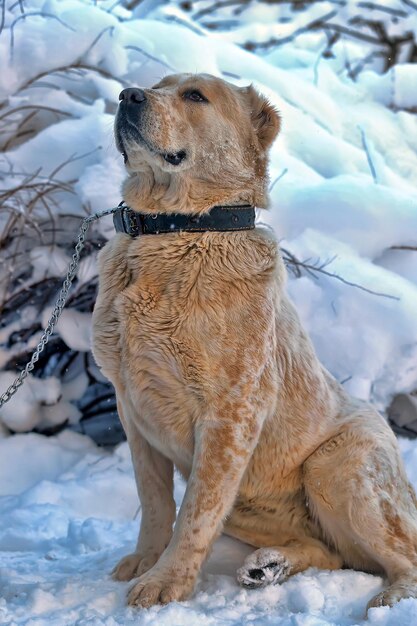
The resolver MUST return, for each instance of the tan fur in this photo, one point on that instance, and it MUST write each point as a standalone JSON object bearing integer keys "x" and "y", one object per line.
{"x": 215, "y": 376}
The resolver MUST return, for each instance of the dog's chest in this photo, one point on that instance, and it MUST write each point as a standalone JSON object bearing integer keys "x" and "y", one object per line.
{"x": 174, "y": 332}
{"x": 171, "y": 334}
{"x": 163, "y": 370}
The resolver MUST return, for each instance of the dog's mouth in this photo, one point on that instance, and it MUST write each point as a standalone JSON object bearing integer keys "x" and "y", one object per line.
{"x": 175, "y": 158}
{"x": 130, "y": 133}
{"x": 120, "y": 144}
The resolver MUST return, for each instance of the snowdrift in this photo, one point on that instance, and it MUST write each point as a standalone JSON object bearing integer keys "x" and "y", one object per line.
{"x": 343, "y": 170}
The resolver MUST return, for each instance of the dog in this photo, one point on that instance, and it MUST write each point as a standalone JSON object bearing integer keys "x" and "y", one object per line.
{"x": 215, "y": 376}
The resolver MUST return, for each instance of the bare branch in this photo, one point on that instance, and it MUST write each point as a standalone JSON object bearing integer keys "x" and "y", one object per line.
{"x": 373, "y": 6}
{"x": 32, "y": 14}
{"x": 109, "y": 29}
{"x": 19, "y": 3}
{"x": 368, "y": 155}
{"x": 2, "y": 14}
{"x": 38, "y": 107}
{"x": 151, "y": 57}
{"x": 319, "y": 268}
{"x": 218, "y": 5}
{"x": 410, "y": 3}
{"x": 411, "y": 248}
{"x": 74, "y": 67}
{"x": 274, "y": 182}
{"x": 315, "y": 24}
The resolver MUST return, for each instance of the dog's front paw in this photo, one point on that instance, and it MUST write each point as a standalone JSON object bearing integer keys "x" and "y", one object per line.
{"x": 160, "y": 587}
{"x": 134, "y": 565}
{"x": 263, "y": 567}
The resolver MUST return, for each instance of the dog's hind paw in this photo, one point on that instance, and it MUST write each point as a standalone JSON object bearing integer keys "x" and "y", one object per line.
{"x": 266, "y": 566}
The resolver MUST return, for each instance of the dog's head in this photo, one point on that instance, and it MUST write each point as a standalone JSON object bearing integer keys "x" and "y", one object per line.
{"x": 193, "y": 141}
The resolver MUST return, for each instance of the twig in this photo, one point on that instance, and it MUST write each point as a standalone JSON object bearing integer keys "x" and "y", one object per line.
{"x": 231, "y": 75}
{"x": 97, "y": 39}
{"x": 291, "y": 259}
{"x": 74, "y": 67}
{"x": 132, "y": 4}
{"x": 274, "y": 182}
{"x": 19, "y": 3}
{"x": 218, "y": 5}
{"x": 113, "y": 6}
{"x": 32, "y": 14}
{"x": 316, "y": 64}
{"x": 319, "y": 22}
{"x": 222, "y": 25}
{"x": 409, "y": 3}
{"x": 354, "y": 34}
{"x": 192, "y": 27}
{"x": 354, "y": 72}
{"x": 71, "y": 159}
{"x": 368, "y": 155}
{"x": 34, "y": 106}
{"x": 17, "y": 135}
{"x": 345, "y": 380}
{"x": 384, "y": 9}
{"x": 2, "y": 14}
{"x": 151, "y": 57}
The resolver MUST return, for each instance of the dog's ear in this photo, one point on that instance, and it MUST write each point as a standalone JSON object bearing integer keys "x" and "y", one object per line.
{"x": 264, "y": 116}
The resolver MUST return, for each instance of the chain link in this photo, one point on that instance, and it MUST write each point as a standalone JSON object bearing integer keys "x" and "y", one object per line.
{"x": 59, "y": 305}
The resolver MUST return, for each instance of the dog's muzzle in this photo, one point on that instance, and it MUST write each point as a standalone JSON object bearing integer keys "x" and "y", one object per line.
{"x": 132, "y": 101}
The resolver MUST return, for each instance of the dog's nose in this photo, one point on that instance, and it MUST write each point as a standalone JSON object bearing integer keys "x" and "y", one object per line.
{"x": 132, "y": 95}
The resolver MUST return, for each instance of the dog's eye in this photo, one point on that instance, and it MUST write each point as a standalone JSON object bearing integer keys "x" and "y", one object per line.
{"x": 195, "y": 96}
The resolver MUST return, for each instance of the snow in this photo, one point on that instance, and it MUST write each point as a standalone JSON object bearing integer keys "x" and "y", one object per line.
{"x": 343, "y": 178}
{"x": 395, "y": 88}
{"x": 48, "y": 261}
{"x": 74, "y": 328}
{"x": 40, "y": 402}
{"x": 69, "y": 511}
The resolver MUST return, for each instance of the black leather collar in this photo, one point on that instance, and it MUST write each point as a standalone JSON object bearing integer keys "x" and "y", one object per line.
{"x": 220, "y": 218}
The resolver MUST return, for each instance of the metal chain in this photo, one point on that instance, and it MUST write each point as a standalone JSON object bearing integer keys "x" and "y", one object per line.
{"x": 59, "y": 305}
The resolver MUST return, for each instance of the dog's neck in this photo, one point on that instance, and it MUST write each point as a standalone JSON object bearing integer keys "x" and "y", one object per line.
{"x": 219, "y": 219}
{"x": 165, "y": 192}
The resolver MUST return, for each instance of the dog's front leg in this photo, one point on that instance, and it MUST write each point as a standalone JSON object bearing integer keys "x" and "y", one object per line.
{"x": 223, "y": 447}
{"x": 154, "y": 481}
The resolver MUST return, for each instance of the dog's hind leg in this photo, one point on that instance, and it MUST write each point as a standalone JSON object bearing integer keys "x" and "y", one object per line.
{"x": 268, "y": 566}
{"x": 154, "y": 481}
{"x": 357, "y": 488}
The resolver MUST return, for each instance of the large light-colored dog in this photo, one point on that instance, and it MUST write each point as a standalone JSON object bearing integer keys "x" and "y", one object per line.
{"x": 215, "y": 376}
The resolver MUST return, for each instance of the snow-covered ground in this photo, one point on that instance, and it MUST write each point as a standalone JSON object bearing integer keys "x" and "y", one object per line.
{"x": 69, "y": 511}
{"x": 343, "y": 190}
